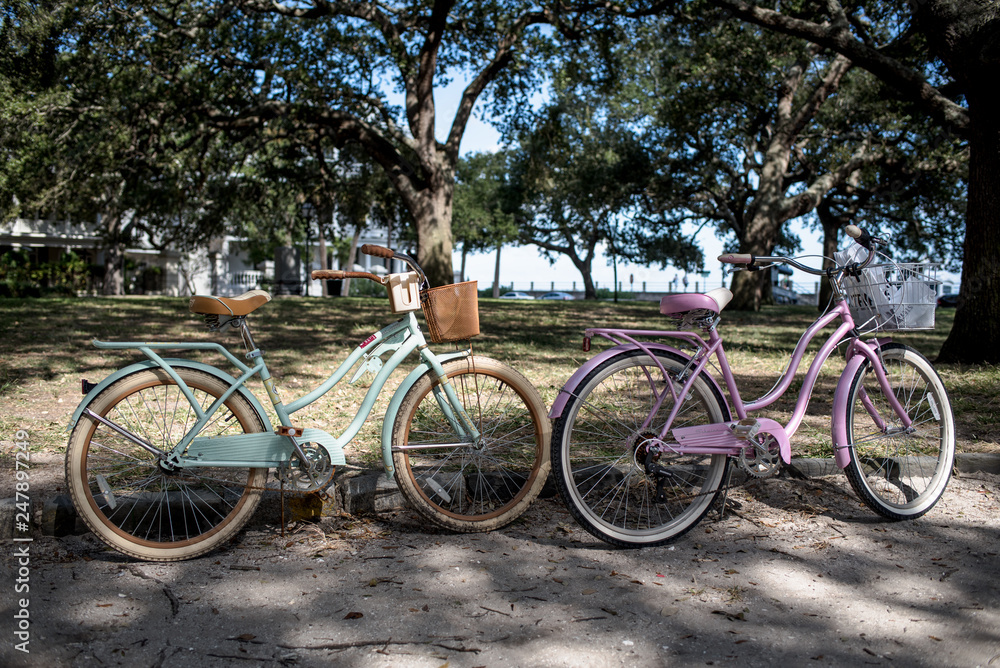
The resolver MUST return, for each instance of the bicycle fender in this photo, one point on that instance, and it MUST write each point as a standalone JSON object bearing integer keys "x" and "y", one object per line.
{"x": 397, "y": 400}
{"x": 574, "y": 381}
{"x": 841, "y": 401}
{"x": 856, "y": 356}
{"x": 175, "y": 362}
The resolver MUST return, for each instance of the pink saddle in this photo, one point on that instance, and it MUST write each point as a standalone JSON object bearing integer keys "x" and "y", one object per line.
{"x": 692, "y": 309}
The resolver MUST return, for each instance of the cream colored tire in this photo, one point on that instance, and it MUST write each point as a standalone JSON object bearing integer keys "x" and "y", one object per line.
{"x": 139, "y": 508}
{"x": 466, "y": 488}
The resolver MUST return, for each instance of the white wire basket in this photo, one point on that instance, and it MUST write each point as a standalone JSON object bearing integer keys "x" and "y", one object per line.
{"x": 893, "y": 296}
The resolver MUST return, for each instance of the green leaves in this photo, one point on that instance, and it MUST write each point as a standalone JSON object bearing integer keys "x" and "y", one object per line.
{"x": 485, "y": 203}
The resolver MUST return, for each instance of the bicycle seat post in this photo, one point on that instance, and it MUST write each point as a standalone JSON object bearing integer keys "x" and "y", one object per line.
{"x": 252, "y": 350}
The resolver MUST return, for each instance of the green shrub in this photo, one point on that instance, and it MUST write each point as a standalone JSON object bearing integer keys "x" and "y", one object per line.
{"x": 364, "y": 288}
{"x": 20, "y": 277}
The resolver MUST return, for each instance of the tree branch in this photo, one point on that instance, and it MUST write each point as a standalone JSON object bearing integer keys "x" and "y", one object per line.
{"x": 826, "y": 87}
{"x": 838, "y": 37}
{"x": 804, "y": 202}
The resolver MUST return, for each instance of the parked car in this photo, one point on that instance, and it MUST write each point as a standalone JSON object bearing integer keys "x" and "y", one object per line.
{"x": 516, "y": 295}
{"x": 948, "y": 301}
{"x": 783, "y": 295}
{"x": 557, "y": 295}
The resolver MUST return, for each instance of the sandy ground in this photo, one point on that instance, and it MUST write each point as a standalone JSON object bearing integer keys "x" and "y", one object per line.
{"x": 796, "y": 572}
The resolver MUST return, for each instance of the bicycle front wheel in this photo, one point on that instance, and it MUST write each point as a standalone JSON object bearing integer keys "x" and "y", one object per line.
{"x": 601, "y": 442}
{"x": 463, "y": 486}
{"x": 140, "y": 508}
{"x": 900, "y": 472}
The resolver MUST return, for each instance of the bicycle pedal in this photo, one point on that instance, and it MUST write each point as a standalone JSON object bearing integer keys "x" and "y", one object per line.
{"x": 746, "y": 428}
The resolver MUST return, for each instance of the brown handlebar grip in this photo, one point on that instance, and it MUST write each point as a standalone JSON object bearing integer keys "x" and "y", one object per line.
{"x": 327, "y": 274}
{"x": 362, "y": 274}
{"x": 377, "y": 251}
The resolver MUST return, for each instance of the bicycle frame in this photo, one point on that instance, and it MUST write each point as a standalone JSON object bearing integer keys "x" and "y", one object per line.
{"x": 270, "y": 449}
{"x": 716, "y": 440}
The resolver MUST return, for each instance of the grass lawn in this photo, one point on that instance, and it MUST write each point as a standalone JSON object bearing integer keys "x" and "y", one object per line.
{"x": 45, "y": 350}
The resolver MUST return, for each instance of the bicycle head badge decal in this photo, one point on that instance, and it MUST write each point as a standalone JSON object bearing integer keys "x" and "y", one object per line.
{"x": 364, "y": 344}
{"x": 272, "y": 391}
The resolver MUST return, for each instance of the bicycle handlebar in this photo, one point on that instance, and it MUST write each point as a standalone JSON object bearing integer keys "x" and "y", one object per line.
{"x": 375, "y": 251}
{"x": 737, "y": 258}
{"x": 860, "y": 236}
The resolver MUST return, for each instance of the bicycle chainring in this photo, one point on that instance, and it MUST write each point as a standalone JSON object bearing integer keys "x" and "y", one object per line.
{"x": 296, "y": 475}
{"x": 763, "y": 460}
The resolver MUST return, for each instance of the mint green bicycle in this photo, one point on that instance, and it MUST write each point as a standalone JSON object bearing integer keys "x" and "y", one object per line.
{"x": 168, "y": 457}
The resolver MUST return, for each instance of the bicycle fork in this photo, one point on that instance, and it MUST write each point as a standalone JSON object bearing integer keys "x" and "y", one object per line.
{"x": 451, "y": 407}
{"x": 858, "y": 353}
{"x": 454, "y": 411}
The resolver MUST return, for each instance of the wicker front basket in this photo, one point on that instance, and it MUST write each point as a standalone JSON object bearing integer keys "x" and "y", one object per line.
{"x": 452, "y": 311}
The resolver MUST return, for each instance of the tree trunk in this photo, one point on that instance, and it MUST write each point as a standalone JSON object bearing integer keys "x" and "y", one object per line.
{"x": 584, "y": 266}
{"x": 114, "y": 254}
{"x": 975, "y": 336}
{"x": 748, "y": 287}
{"x": 322, "y": 260}
{"x": 589, "y": 291}
{"x": 433, "y": 219}
{"x": 345, "y": 286}
{"x": 766, "y": 286}
{"x": 388, "y": 244}
{"x": 964, "y": 34}
{"x": 746, "y": 290}
{"x": 114, "y": 269}
{"x": 831, "y": 238}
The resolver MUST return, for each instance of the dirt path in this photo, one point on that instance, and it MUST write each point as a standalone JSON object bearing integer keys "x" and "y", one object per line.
{"x": 796, "y": 573}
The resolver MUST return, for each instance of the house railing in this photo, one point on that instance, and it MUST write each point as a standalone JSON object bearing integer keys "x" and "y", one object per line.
{"x": 243, "y": 281}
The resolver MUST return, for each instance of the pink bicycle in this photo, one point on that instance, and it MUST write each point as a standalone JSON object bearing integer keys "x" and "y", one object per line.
{"x": 643, "y": 436}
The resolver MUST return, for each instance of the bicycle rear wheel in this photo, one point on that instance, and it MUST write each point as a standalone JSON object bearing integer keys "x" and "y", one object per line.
{"x": 451, "y": 482}
{"x": 133, "y": 504}
{"x": 600, "y": 445}
{"x": 900, "y": 473}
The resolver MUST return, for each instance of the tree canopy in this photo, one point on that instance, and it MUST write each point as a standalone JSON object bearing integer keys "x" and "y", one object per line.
{"x": 91, "y": 134}
{"x": 745, "y": 129}
{"x": 362, "y": 73}
{"x": 153, "y": 113}
{"x": 941, "y": 56}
